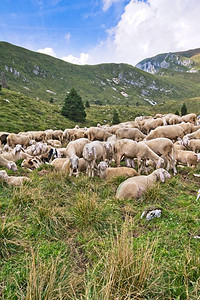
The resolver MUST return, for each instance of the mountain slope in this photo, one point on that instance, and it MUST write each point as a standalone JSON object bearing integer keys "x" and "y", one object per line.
{"x": 177, "y": 61}
{"x": 42, "y": 76}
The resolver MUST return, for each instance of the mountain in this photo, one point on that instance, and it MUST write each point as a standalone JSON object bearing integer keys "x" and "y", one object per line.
{"x": 185, "y": 61}
{"x": 40, "y": 76}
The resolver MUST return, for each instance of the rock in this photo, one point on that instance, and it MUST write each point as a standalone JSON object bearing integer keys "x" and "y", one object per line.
{"x": 151, "y": 213}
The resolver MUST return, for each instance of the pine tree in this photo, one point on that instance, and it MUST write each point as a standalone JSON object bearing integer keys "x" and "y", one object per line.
{"x": 115, "y": 119}
{"x": 87, "y": 104}
{"x": 177, "y": 113}
{"x": 51, "y": 100}
{"x": 73, "y": 107}
{"x": 183, "y": 109}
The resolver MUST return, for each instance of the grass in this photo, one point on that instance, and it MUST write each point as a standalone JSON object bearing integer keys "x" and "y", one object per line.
{"x": 22, "y": 113}
{"x": 70, "y": 238}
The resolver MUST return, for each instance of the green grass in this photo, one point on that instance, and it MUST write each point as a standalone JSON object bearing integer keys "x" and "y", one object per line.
{"x": 22, "y": 113}
{"x": 70, "y": 238}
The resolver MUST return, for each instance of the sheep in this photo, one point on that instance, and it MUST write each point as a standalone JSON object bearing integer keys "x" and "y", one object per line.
{"x": 14, "y": 139}
{"x": 187, "y": 127}
{"x": 192, "y": 118}
{"x": 194, "y": 135}
{"x": 108, "y": 155}
{"x": 130, "y": 133}
{"x": 37, "y": 136}
{"x": 171, "y": 132}
{"x": 91, "y": 153}
{"x": 134, "y": 188}
{"x": 13, "y": 180}
{"x": 14, "y": 155}
{"x": 3, "y": 137}
{"x": 8, "y": 164}
{"x": 132, "y": 149}
{"x": 61, "y": 164}
{"x": 106, "y": 172}
{"x": 96, "y": 133}
{"x": 188, "y": 158}
{"x": 194, "y": 145}
{"x": 165, "y": 148}
{"x": 31, "y": 163}
{"x": 152, "y": 124}
{"x": 54, "y": 143}
{"x": 57, "y": 135}
{"x": 74, "y": 150}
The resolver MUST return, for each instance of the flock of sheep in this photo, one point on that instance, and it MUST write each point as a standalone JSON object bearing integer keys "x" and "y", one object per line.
{"x": 160, "y": 142}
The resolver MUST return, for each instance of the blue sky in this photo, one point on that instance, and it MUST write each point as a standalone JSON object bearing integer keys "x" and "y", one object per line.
{"x": 96, "y": 31}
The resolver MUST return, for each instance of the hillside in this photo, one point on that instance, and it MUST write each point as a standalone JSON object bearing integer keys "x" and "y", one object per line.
{"x": 178, "y": 61}
{"x": 21, "y": 113}
{"x": 41, "y": 76}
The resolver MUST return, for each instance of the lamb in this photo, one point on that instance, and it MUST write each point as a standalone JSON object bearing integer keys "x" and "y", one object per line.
{"x": 106, "y": 172}
{"x": 13, "y": 180}
{"x": 61, "y": 164}
{"x": 188, "y": 158}
{"x": 134, "y": 188}
{"x": 130, "y": 133}
{"x": 8, "y": 164}
{"x": 171, "y": 132}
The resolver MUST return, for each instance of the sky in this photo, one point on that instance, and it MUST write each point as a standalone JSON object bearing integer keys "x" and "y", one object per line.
{"x": 101, "y": 31}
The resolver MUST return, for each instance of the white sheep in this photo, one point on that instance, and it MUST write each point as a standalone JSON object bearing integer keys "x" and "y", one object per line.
{"x": 134, "y": 188}
{"x": 13, "y": 180}
{"x": 61, "y": 164}
{"x": 106, "y": 172}
{"x": 8, "y": 164}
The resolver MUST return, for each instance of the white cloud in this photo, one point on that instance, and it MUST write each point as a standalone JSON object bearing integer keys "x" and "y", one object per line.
{"x": 81, "y": 60}
{"x": 67, "y": 36}
{"x": 108, "y": 3}
{"x": 149, "y": 28}
{"x": 48, "y": 51}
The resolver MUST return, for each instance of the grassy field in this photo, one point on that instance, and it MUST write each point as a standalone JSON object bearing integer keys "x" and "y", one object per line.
{"x": 70, "y": 238}
{"x": 21, "y": 113}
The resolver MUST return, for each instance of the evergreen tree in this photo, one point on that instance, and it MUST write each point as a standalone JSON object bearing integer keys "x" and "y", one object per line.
{"x": 51, "y": 100}
{"x": 87, "y": 104}
{"x": 0, "y": 87}
{"x": 115, "y": 119}
{"x": 183, "y": 109}
{"x": 73, "y": 107}
{"x": 177, "y": 113}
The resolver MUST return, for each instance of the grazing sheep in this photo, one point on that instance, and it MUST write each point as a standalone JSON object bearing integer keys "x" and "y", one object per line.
{"x": 13, "y": 180}
{"x": 3, "y": 137}
{"x": 54, "y": 143}
{"x": 134, "y": 188}
{"x": 130, "y": 133}
{"x": 14, "y": 155}
{"x": 194, "y": 135}
{"x": 96, "y": 133}
{"x": 106, "y": 172}
{"x": 172, "y": 132}
{"x": 151, "y": 124}
{"x": 61, "y": 164}
{"x": 21, "y": 139}
{"x": 131, "y": 149}
{"x": 165, "y": 148}
{"x": 191, "y": 118}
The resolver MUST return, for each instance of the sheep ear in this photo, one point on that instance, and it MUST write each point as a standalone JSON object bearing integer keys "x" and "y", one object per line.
{"x": 162, "y": 177}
